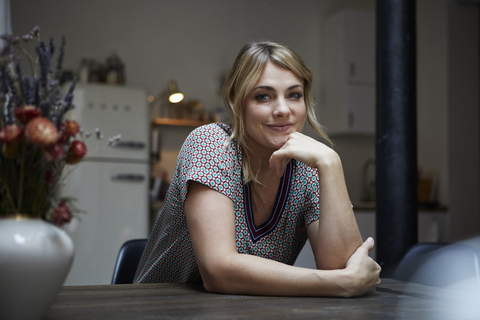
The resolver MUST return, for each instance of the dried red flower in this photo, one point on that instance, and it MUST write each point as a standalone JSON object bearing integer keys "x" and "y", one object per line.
{"x": 77, "y": 151}
{"x": 62, "y": 214}
{"x": 11, "y": 133}
{"x": 54, "y": 152}
{"x": 27, "y": 113}
{"x": 70, "y": 128}
{"x": 41, "y": 131}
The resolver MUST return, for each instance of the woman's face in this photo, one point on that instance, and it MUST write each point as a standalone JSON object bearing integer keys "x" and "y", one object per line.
{"x": 274, "y": 109}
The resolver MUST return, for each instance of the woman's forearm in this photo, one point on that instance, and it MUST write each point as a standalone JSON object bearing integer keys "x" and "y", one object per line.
{"x": 337, "y": 235}
{"x": 247, "y": 274}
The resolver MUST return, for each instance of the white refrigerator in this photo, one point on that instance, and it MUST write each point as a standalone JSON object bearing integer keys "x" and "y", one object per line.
{"x": 112, "y": 184}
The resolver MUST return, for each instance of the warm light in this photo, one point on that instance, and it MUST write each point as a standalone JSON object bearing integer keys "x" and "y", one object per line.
{"x": 176, "y": 97}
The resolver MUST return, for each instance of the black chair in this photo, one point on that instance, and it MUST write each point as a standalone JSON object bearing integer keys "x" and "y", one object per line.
{"x": 127, "y": 261}
{"x": 438, "y": 264}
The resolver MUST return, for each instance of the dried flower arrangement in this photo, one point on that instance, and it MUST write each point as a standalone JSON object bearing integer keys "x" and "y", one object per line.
{"x": 37, "y": 142}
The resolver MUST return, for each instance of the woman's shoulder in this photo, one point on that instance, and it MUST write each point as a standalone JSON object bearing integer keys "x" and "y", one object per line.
{"x": 216, "y": 130}
{"x": 208, "y": 156}
{"x": 212, "y": 139}
{"x": 214, "y": 135}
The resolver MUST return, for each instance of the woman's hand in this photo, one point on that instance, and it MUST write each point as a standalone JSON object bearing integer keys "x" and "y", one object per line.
{"x": 363, "y": 272}
{"x": 334, "y": 236}
{"x": 305, "y": 149}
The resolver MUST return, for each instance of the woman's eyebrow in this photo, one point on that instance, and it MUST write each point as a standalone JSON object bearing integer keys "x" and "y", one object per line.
{"x": 295, "y": 86}
{"x": 265, "y": 88}
{"x": 273, "y": 89}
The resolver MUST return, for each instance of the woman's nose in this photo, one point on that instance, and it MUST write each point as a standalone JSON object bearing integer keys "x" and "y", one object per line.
{"x": 281, "y": 108}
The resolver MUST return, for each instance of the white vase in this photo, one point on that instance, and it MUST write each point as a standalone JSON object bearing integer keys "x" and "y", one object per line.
{"x": 35, "y": 257}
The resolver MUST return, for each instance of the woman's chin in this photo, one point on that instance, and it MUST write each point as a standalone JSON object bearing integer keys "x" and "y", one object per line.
{"x": 278, "y": 143}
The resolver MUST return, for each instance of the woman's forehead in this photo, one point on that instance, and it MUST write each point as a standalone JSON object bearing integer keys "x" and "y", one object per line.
{"x": 274, "y": 75}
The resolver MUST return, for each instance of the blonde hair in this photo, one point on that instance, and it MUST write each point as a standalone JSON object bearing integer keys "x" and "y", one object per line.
{"x": 243, "y": 76}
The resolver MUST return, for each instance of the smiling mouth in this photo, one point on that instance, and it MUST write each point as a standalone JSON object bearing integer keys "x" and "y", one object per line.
{"x": 282, "y": 127}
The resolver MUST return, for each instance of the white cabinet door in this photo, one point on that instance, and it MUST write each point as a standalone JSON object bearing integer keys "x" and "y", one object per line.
{"x": 360, "y": 46}
{"x": 348, "y": 73}
{"x": 361, "y": 108}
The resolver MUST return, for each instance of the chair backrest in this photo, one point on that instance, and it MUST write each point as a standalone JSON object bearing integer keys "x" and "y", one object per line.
{"x": 439, "y": 265}
{"x": 127, "y": 261}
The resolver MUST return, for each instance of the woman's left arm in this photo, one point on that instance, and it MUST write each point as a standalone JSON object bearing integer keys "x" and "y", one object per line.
{"x": 335, "y": 236}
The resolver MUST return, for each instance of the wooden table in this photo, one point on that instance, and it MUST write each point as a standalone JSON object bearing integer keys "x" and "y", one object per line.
{"x": 392, "y": 300}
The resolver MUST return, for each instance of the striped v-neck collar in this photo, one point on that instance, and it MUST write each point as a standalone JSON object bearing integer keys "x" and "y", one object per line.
{"x": 265, "y": 228}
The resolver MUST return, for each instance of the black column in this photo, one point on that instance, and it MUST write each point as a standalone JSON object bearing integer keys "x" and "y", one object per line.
{"x": 396, "y": 132}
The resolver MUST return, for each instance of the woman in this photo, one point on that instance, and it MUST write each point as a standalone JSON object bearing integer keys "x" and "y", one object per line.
{"x": 244, "y": 198}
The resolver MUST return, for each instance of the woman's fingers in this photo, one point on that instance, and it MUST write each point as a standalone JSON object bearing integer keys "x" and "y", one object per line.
{"x": 368, "y": 244}
{"x": 303, "y": 148}
{"x": 365, "y": 269}
{"x": 282, "y": 156}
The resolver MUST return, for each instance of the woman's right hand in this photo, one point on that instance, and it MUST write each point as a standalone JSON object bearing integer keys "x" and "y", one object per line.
{"x": 363, "y": 273}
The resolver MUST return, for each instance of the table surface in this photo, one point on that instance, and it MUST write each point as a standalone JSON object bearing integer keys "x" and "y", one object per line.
{"x": 392, "y": 300}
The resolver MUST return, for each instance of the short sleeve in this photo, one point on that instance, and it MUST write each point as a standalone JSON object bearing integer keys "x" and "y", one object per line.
{"x": 208, "y": 157}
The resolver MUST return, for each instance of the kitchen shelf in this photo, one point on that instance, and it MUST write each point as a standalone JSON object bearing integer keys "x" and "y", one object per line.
{"x": 179, "y": 122}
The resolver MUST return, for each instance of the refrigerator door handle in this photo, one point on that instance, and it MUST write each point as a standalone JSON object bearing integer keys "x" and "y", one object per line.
{"x": 129, "y": 144}
{"x": 127, "y": 177}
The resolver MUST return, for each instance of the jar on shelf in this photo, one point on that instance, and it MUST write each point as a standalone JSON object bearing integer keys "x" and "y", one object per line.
{"x": 94, "y": 74}
{"x": 84, "y": 70}
{"x": 114, "y": 73}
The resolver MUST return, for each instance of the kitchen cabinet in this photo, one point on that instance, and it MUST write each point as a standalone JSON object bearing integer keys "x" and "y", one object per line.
{"x": 348, "y": 73}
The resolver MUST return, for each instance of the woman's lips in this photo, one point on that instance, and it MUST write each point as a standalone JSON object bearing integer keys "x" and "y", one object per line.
{"x": 281, "y": 127}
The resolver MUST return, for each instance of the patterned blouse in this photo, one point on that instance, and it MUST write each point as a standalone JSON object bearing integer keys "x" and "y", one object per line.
{"x": 207, "y": 157}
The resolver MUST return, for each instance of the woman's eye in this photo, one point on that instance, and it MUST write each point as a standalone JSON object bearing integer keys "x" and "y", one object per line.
{"x": 295, "y": 95}
{"x": 262, "y": 97}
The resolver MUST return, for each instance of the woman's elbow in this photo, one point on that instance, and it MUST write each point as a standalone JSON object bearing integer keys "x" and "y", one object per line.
{"x": 216, "y": 284}
{"x": 218, "y": 279}
{"x": 212, "y": 286}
